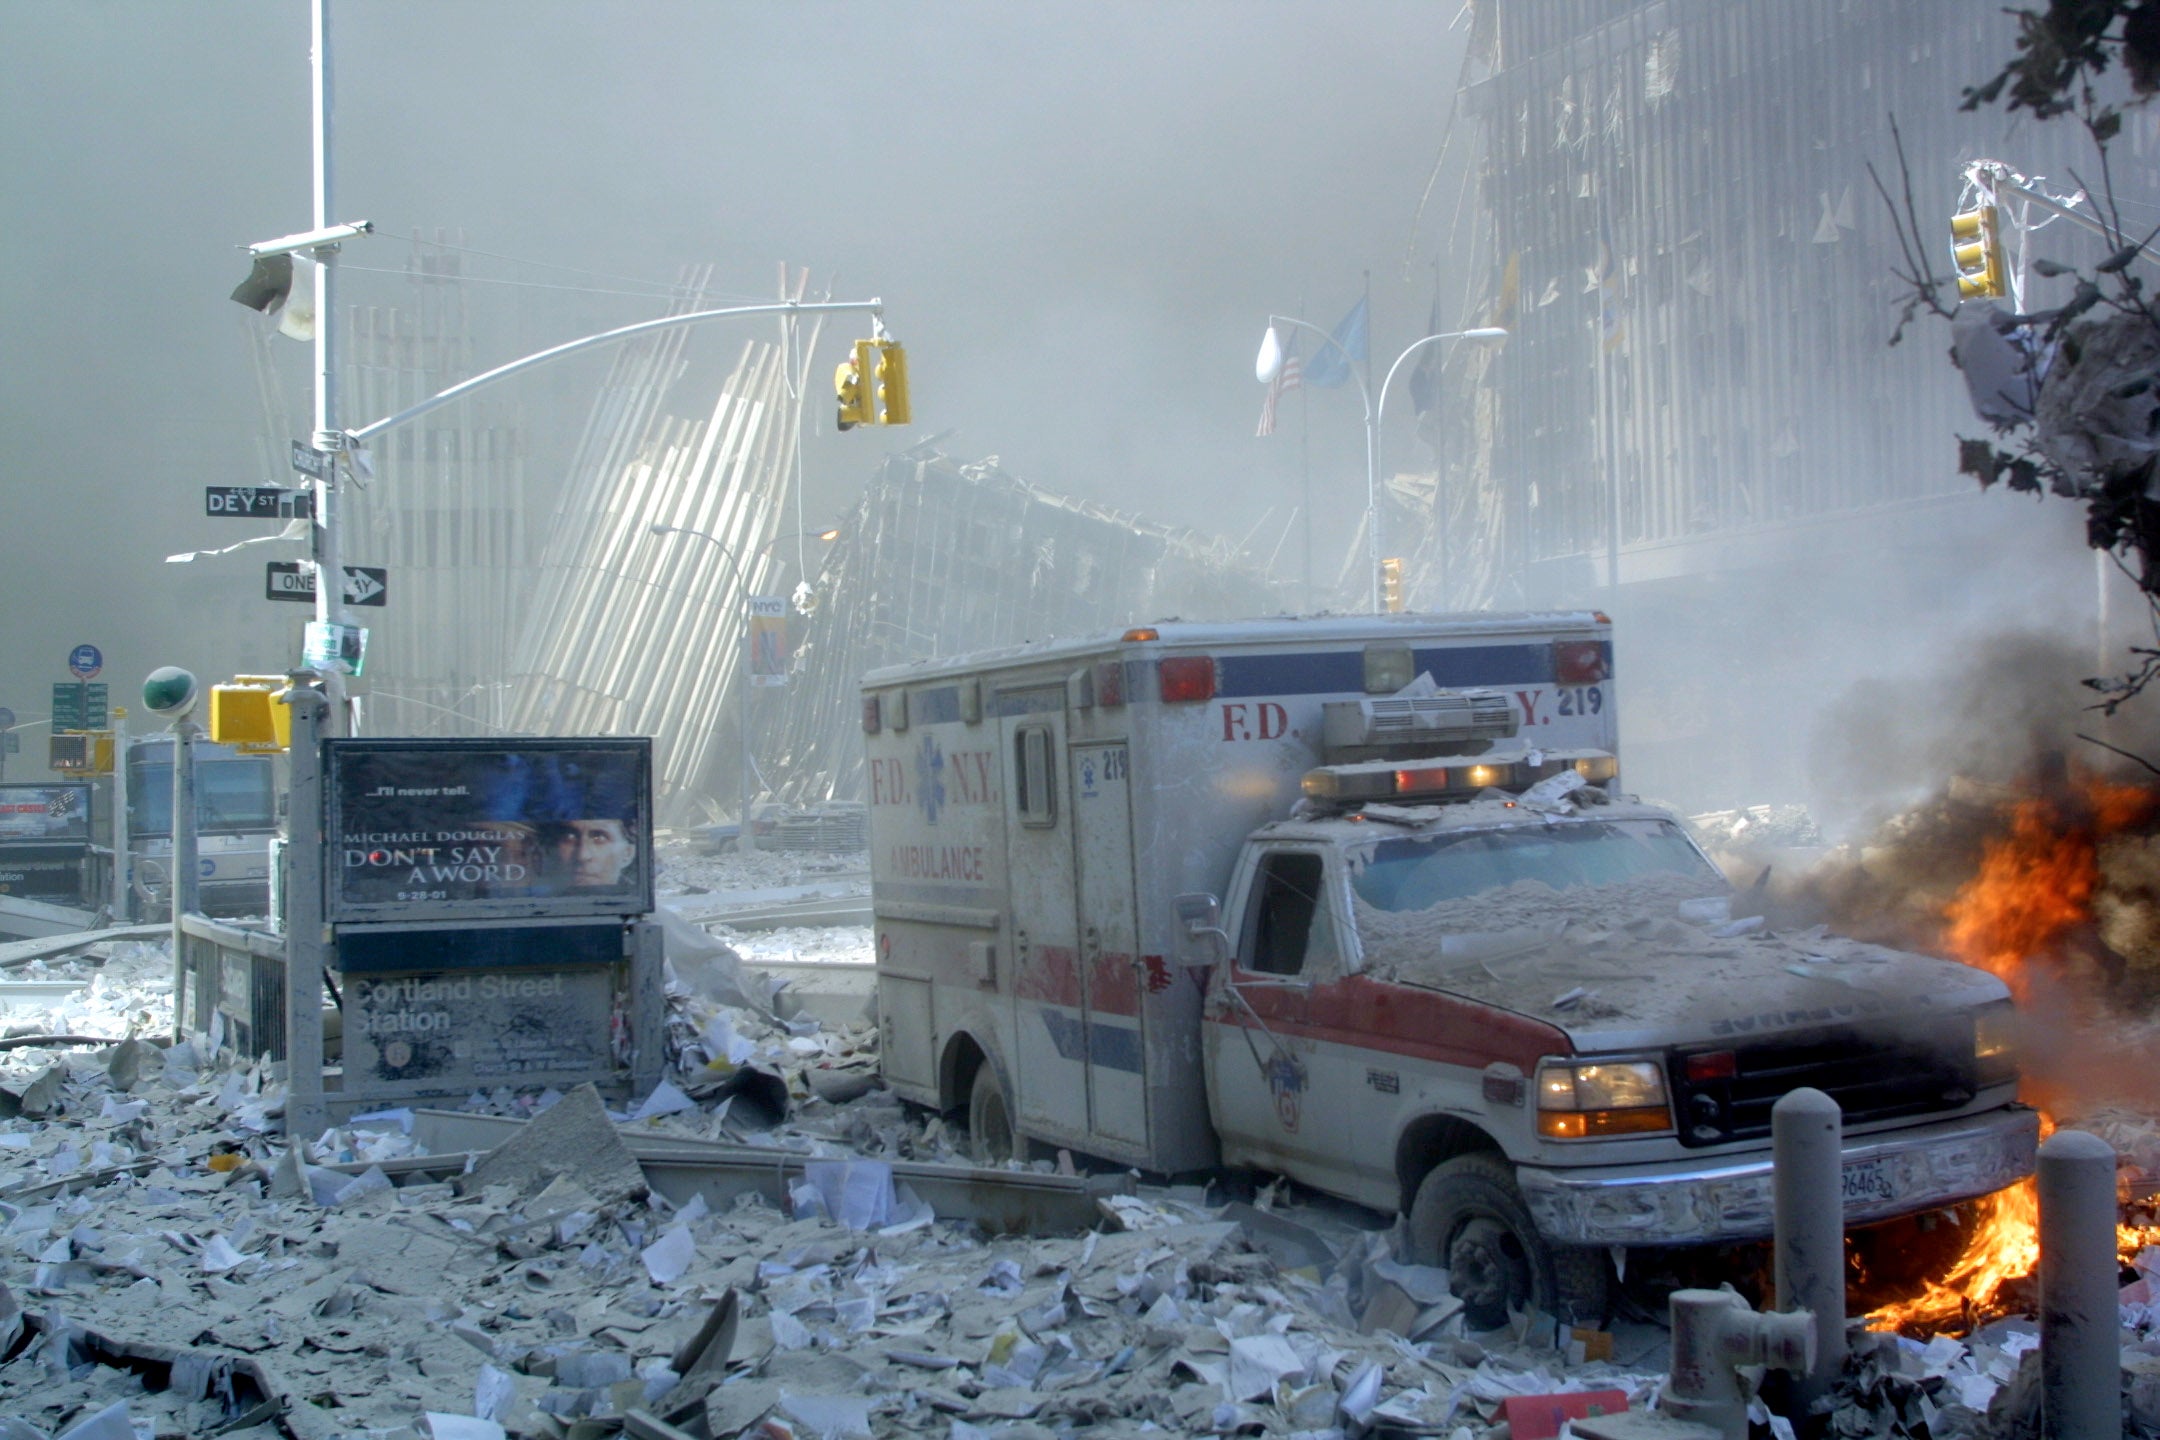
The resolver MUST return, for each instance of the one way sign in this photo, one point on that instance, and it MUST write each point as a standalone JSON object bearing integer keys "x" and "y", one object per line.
{"x": 289, "y": 580}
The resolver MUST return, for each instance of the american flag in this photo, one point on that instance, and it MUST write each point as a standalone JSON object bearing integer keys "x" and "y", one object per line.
{"x": 59, "y": 804}
{"x": 1289, "y": 377}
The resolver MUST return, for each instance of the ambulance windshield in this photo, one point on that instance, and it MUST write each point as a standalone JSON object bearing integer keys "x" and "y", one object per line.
{"x": 1417, "y": 874}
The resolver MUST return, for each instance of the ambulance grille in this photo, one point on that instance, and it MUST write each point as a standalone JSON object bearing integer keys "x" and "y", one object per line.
{"x": 1879, "y": 1072}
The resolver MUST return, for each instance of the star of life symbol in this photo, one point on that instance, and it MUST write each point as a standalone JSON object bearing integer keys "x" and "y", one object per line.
{"x": 930, "y": 777}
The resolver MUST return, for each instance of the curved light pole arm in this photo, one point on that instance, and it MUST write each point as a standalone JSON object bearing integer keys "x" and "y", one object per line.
{"x": 1486, "y": 334}
{"x": 466, "y": 387}
{"x": 734, "y": 568}
{"x": 1331, "y": 342}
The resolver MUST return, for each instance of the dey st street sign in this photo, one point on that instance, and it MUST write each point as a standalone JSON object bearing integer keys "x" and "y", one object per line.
{"x": 259, "y": 502}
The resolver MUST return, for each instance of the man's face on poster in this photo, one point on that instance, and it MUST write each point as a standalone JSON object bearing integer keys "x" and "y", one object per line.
{"x": 594, "y": 852}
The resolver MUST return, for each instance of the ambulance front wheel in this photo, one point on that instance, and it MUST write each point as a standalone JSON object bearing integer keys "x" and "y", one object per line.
{"x": 1469, "y": 1217}
{"x": 990, "y": 1126}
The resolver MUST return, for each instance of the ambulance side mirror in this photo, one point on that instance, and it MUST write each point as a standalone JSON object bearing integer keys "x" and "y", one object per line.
{"x": 1205, "y": 941}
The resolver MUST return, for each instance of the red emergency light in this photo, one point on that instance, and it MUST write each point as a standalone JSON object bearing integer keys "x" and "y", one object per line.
{"x": 1185, "y": 678}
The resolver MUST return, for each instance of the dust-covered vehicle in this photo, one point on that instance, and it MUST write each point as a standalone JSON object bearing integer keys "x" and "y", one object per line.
{"x": 1359, "y": 901}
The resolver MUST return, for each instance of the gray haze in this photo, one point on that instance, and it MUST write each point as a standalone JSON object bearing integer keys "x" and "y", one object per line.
{"x": 1078, "y": 216}
{"x": 1079, "y": 219}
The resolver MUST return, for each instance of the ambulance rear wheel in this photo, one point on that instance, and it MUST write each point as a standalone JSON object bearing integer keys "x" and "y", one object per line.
{"x": 990, "y": 1127}
{"x": 1469, "y": 1217}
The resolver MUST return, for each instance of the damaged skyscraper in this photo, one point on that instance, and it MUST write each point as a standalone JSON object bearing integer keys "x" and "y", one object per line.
{"x": 1699, "y": 406}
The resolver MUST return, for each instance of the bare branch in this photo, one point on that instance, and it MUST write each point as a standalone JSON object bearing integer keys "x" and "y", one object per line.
{"x": 2116, "y": 749}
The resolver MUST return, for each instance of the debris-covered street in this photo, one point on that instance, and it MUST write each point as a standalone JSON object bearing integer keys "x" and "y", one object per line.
{"x": 732, "y": 1257}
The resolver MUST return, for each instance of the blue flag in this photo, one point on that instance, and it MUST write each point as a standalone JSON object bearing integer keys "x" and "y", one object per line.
{"x": 1330, "y": 364}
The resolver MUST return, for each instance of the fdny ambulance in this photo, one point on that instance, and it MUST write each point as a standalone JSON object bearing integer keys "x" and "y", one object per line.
{"x": 1358, "y": 900}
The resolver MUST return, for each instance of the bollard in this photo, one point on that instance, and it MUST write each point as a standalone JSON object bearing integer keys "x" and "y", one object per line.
{"x": 2080, "y": 1323}
{"x": 1806, "y": 1138}
{"x": 1713, "y": 1334}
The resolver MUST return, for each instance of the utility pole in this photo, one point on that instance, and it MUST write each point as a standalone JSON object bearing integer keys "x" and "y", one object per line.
{"x": 328, "y": 553}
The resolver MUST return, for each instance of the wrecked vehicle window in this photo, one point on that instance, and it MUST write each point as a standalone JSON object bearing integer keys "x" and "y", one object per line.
{"x": 1417, "y": 874}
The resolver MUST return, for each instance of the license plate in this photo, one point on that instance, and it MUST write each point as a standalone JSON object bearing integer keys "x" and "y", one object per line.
{"x": 1867, "y": 1180}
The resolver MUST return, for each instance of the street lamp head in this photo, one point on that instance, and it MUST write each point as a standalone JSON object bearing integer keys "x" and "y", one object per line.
{"x": 1487, "y": 335}
{"x": 1268, "y": 364}
{"x": 659, "y": 529}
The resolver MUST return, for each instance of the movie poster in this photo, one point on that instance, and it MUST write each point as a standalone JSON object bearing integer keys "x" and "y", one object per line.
{"x": 44, "y": 814}
{"x": 422, "y": 829}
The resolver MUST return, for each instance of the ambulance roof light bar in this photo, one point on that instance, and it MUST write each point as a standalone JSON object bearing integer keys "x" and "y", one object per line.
{"x": 1381, "y": 727}
{"x": 1348, "y": 786}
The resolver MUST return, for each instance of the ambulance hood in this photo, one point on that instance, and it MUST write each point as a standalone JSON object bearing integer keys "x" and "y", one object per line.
{"x": 1648, "y": 965}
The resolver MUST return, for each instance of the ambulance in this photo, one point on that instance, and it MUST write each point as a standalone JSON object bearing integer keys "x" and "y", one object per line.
{"x": 1360, "y": 900}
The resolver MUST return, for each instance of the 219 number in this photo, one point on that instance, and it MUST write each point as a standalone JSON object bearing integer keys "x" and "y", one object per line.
{"x": 1582, "y": 700}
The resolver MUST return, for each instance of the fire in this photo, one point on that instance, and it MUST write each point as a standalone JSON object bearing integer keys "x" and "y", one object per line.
{"x": 2035, "y": 885}
{"x": 2028, "y": 904}
{"x": 2005, "y": 1247}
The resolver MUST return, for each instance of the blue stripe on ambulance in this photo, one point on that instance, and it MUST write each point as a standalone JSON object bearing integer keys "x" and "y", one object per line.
{"x": 1112, "y": 1046}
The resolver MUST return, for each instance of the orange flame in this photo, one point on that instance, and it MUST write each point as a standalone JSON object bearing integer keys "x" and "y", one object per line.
{"x": 2005, "y": 1246}
{"x": 2035, "y": 885}
{"x": 2031, "y": 893}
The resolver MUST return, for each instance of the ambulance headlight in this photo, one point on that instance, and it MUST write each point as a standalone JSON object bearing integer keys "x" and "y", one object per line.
{"x": 1588, "y": 1100}
{"x": 1995, "y": 1044}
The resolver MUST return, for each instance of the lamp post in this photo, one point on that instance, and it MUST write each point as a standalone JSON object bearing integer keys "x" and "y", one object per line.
{"x": 1269, "y": 362}
{"x": 744, "y": 840}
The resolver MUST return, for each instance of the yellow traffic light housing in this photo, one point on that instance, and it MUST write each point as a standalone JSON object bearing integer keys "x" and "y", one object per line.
{"x": 246, "y": 714}
{"x": 890, "y": 400}
{"x": 1976, "y": 251}
{"x": 848, "y": 386}
{"x": 1391, "y": 585}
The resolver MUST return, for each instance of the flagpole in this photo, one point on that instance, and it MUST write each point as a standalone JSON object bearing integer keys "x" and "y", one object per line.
{"x": 1372, "y": 454}
{"x": 1305, "y": 468}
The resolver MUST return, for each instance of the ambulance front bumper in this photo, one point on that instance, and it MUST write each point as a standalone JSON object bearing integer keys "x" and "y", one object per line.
{"x": 1683, "y": 1202}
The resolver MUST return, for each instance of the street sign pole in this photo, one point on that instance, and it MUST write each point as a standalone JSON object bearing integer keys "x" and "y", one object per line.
{"x": 329, "y": 555}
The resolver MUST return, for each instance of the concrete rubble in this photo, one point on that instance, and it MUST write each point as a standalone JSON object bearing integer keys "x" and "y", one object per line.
{"x": 173, "y": 1267}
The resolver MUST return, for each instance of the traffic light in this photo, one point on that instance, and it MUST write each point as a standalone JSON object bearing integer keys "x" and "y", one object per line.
{"x": 848, "y": 386}
{"x": 1391, "y": 585}
{"x": 247, "y": 714}
{"x": 889, "y": 403}
{"x": 1976, "y": 251}
{"x": 80, "y": 752}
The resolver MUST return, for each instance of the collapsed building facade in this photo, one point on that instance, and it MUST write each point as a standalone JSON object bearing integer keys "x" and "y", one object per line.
{"x": 614, "y": 599}
{"x": 942, "y": 557}
{"x": 1699, "y": 399}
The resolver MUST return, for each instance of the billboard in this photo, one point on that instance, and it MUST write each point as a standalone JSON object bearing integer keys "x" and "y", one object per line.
{"x": 768, "y": 640}
{"x": 44, "y": 814}
{"x": 450, "y": 829}
{"x": 43, "y": 872}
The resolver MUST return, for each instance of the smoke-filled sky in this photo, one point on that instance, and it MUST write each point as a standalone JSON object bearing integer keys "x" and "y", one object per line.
{"x": 1079, "y": 217}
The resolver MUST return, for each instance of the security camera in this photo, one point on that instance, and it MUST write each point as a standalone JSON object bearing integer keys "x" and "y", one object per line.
{"x": 269, "y": 282}
{"x": 310, "y": 239}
